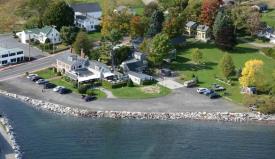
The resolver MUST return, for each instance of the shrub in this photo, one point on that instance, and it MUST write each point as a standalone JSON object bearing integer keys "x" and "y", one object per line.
{"x": 269, "y": 52}
{"x": 109, "y": 85}
{"x": 90, "y": 92}
{"x": 82, "y": 89}
{"x": 54, "y": 70}
{"x": 130, "y": 83}
{"x": 58, "y": 73}
{"x": 147, "y": 82}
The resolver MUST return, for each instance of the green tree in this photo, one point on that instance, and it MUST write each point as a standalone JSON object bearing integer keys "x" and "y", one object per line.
{"x": 39, "y": 7}
{"x": 227, "y": 66}
{"x": 82, "y": 42}
{"x": 156, "y": 22}
{"x": 32, "y": 22}
{"x": 68, "y": 34}
{"x": 121, "y": 54}
{"x": 159, "y": 49}
{"x": 59, "y": 14}
{"x": 193, "y": 10}
{"x": 150, "y": 8}
{"x": 223, "y": 31}
{"x": 115, "y": 36}
{"x": 173, "y": 26}
{"x": 197, "y": 56}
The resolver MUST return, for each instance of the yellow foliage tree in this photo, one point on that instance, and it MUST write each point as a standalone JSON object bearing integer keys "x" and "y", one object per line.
{"x": 251, "y": 73}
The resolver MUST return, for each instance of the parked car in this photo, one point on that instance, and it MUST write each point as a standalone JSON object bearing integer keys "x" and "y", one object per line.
{"x": 190, "y": 83}
{"x": 63, "y": 91}
{"x": 202, "y": 90}
{"x": 57, "y": 88}
{"x": 31, "y": 75}
{"x": 49, "y": 85}
{"x": 35, "y": 78}
{"x": 208, "y": 92}
{"x": 214, "y": 96}
{"x": 89, "y": 98}
{"x": 42, "y": 81}
{"x": 217, "y": 87}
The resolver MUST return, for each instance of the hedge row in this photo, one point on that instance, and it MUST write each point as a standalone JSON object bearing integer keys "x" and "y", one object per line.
{"x": 269, "y": 52}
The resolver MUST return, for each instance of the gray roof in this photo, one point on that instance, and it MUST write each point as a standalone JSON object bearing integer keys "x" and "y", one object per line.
{"x": 139, "y": 75}
{"x": 191, "y": 24}
{"x": 86, "y": 7}
{"x": 134, "y": 65}
{"x": 77, "y": 60}
{"x": 202, "y": 28}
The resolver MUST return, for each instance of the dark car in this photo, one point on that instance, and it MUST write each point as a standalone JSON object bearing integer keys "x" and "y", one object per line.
{"x": 208, "y": 92}
{"x": 214, "y": 96}
{"x": 64, "y": 91}
{"x": 35, "y": 78}
{"x": 89, "y": 98}
{"x": 49, "y": 85}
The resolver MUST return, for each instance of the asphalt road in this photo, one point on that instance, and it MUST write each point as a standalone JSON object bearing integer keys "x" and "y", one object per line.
{"x": 21, "y": 69}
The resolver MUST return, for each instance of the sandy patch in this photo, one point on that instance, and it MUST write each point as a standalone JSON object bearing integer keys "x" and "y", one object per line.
{"x": 151, "y": 89}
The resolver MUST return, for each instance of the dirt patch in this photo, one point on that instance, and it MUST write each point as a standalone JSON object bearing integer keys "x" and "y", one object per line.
{"x": 151, "y": 89}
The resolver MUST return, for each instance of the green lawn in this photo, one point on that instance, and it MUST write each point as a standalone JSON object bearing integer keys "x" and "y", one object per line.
{"x": 269, "y": 17}
{"x": 211, "y": 56}
{"x": 46, "y": 73}
{"x": 137, "y": 93}
{"x": 94, "y": 36}
{"x": 131, "y": 3}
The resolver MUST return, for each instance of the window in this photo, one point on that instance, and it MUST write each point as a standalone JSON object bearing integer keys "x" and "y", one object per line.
{"x": 13, "y": 60}
{"x": 5, "y": 55}
{"x": 19, "y": 53}
{"x": 4, "y": 62}
{"x": 12, "y": 54}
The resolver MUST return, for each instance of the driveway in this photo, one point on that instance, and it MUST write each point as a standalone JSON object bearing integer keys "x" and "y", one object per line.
{"x": 181, "y": 100}
{"x": 170, "y": 83}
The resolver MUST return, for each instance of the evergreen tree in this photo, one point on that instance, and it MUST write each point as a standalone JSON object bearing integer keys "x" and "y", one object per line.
{"x": 156, "y": 22}
{"x": 82, "y": 42}
{"x": 59, "y": 14}
{"x": 227, "y": 66}
{"x": 223, "y": 31}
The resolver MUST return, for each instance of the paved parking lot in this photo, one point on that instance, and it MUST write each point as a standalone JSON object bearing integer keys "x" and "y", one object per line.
{"x": 180, "y": 100}
{"x": 7, "y": 41}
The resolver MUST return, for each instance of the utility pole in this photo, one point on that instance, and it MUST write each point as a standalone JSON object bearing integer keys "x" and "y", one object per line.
{"x": 29, "y": 32}
{"x": 53, "y": 38}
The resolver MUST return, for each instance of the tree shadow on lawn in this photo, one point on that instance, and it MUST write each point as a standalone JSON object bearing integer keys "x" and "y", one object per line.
{"x": 243, "y": 50}
{"x": 193, "y": 67}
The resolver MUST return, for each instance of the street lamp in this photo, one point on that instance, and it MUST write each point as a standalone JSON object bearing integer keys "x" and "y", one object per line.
{"x": 29, "y": 32}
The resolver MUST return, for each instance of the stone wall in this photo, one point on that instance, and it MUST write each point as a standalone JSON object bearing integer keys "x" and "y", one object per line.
{"x": 213, "y": 116}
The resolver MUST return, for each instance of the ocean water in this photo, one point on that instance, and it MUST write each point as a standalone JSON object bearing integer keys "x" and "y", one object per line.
{"x": 44, "y": 135}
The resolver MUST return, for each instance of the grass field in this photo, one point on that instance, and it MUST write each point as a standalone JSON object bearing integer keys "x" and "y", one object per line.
{"x": 46, "y": 73}
{"x": 94, "y": 36}
{"x": 137, "y": 93}
{"x": 209, "y": 70}
{"x": 269, "y": 17}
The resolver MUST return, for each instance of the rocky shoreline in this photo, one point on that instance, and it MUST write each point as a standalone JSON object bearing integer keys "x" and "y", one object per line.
{"x": 77, "y": 112}
{"x": 9, "y": 129}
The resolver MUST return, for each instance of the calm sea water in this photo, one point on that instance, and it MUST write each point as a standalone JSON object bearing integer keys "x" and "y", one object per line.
{"x": 44, "y": 135}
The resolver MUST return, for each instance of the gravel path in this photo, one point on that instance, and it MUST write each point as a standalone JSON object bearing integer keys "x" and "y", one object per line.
{"x": 181, "y": 100}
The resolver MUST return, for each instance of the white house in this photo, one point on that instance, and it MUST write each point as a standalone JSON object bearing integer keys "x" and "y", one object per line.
{"x": 139, "y": 78}
{"x": 87, "y": 15}
{"x": 11, "y": 56}
{"x": 42, "y": 35}
{"x": 203, "y": 33}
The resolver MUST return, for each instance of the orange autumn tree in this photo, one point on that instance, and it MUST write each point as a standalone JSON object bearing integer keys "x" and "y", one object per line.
{"x": 209, "y": 11}
{"x": 252, "y": 73}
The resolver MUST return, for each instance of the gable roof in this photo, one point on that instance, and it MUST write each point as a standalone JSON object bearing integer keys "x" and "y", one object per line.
{"x": 86, "y": 7}
{"x": 191, "y": 24}
{"x": 202, "y": 28}
{"x": 46, "y": 30}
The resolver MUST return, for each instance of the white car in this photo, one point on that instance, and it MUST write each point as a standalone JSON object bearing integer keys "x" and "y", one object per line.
{"x": 31, "y": 75}
{"x": 57, "y": 88}
{"x": 202, "y": 90}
